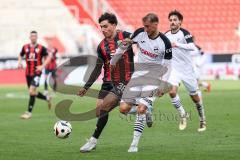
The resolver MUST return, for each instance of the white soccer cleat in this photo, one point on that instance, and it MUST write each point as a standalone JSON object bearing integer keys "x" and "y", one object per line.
{"x": 183, "y": 122}
{"x": 133, "y": 149}
{"x": 26, "y": 115}
{"x": 202, "y": 127}
{"x": 89, "y": 146}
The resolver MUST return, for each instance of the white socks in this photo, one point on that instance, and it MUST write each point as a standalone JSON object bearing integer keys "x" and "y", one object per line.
{"x": 177, "y": 104}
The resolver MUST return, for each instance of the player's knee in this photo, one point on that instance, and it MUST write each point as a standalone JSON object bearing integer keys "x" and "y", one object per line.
{"x": 195, "y": 98}
{"x": 124, "y": 108}
{"x": 172, "y": 94}
{"x": 141, "y": 109}
{"x": 97, "y": 112}
{"x": 32, "y": 93}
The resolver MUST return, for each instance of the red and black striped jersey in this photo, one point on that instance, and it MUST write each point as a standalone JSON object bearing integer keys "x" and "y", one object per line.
{"x": 124, "y": 67}
{"x": 52, "y": 64}
{"x": 34, "y": 56}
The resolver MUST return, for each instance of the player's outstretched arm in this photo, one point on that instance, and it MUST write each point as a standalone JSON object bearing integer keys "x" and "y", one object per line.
{"x": 188, "y": 46}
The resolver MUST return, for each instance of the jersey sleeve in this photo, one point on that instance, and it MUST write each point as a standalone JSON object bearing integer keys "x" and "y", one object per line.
{"x": 44, "y": 51}
{"x": 187, "y": 36}
{"x": 99, "y": 52}
{"x": 22, "y": 53}
{"x": 135, "y": 35}
{"x": 126, "y": 34}
{"x": 168, "y": 47}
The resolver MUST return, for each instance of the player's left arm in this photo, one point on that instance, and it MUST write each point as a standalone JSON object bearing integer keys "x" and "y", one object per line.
{"x": 188, "y": 46}
{"x": 22, "y": 53}
{"x": 46, "y": 60}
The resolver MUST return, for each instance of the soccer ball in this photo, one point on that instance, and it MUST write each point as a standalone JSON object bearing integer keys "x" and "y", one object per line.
{"x": 62, "y": 129}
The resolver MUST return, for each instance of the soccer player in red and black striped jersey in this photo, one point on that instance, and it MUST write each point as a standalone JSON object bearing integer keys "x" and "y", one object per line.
{"x": 34, "y": 54}
{"x": 51, "y": 66}
{"x": 114, "y": 80}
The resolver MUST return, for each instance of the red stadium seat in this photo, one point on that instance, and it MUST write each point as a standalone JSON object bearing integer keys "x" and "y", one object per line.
{"x": 212, "y": 22}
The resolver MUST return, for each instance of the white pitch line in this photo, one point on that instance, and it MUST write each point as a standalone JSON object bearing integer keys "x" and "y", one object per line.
{"x": 18, "y": 95}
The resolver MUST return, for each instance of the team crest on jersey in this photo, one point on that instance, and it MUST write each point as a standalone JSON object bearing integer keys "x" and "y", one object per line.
{"x": 26, "y": 50}
{"x": 156, "y": 49}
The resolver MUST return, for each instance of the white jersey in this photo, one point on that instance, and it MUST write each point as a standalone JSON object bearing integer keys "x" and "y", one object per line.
{"x": 181, "y": 60}
{"x": 152, "y": 50}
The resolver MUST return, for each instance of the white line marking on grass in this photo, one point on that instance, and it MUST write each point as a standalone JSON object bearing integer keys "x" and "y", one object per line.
{"x": 16, "y": 95}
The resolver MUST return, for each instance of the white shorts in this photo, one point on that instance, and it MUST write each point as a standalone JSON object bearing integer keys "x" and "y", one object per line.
{"x": 142, "y": 86}
{"x": 188, "y": 79}
{"x": 140, "y": 95}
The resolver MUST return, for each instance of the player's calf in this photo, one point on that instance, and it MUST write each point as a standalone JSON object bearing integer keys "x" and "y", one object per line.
{"x": 200, "y": 108}
{"x": 144, "y": 110}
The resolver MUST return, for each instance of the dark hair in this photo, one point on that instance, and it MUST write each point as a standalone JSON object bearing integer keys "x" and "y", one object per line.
{"x": 108, "y": 16}
{"x": 152, "y": 17}
{"x": 33, "y": 32}
{"x": 176, "y": 13}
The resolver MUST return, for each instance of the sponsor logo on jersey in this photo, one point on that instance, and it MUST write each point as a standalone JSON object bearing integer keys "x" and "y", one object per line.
{"x": 156, "y": 49}
{"x": 152, "y": 55}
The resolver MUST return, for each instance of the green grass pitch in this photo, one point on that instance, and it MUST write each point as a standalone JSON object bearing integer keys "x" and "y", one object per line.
{"x": 34, "y": 139}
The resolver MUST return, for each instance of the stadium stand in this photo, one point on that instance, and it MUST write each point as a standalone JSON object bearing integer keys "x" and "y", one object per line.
{"x": 214, "y": 23}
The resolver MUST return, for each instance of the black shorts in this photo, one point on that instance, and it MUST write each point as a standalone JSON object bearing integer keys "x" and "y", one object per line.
{"x": 52, "y": 71}
{"x": 33, "y": 80}
{"x": 108, "y": 87}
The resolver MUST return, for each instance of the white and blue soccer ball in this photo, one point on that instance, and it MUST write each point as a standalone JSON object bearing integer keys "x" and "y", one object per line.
{"x": 62, "y": 129}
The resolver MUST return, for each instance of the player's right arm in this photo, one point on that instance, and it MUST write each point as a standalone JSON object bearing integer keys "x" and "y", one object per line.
{"x": 22, "y": 53}
{"x": 94, "y": 75}
{"x": 189, "y": 45}
{"x": 122, "y": 47}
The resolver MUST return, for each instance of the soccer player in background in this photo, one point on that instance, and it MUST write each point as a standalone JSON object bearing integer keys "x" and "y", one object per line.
{"x": 51, "y": 66}
{"x": 182, "y": 69}
{"x": 113, "y": 82}
{"x": 34, "y": 54}
{"x": 154, "y": 50}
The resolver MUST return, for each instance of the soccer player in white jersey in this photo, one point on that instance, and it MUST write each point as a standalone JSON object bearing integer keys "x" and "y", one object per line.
{"x": 182, "y": 69}
{"x": 154, "y": 50}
